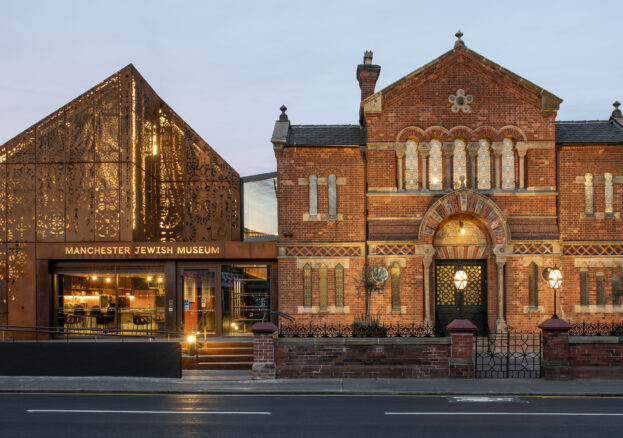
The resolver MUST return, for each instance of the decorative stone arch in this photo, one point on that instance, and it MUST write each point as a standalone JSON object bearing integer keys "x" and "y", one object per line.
{"x": 464, "y": 132}
{"x": 465, "y": 201}
{"x": 411, "y": 132}
{"x": 437, "y": 131}
{"x": 513, "y": 131}
{"x": 488, "y": 132}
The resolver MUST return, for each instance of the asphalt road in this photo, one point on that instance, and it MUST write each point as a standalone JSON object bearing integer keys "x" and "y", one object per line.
{"x": 180, "y": 416}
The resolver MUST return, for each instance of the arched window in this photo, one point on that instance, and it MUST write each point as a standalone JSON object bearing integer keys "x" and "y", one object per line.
{"x": 600, "y": 289}
{"x": 313, "y": 196}
{"x": 435, "y": 166}
{"x": 332, "y": 197}
{"x": 459, "y": 168}
{"x": 411, "y": 165}
{"x": 307, "y": 285}
{"x": 339, "y": 286}
{"x": 484, "y": 164}
{"x": 508, "y": 164}
{"x": 608, "y": 196}
{"x": 584, "y": 288}
{"x": 395, "y": 272}
{"x": 323, "y": 294}
{"x": 588, "y": 194}
{"x": 533, "y": 285}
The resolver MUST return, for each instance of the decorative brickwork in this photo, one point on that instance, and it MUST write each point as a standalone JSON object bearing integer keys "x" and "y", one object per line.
{"x": 395, "y": 249}
{"x": 533, "y": 248}
{"x": 323, "y": 251}
{"x": 592, "y": 249}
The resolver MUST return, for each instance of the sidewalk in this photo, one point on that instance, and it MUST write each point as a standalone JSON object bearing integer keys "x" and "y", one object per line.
{"x": 240, "y": 382}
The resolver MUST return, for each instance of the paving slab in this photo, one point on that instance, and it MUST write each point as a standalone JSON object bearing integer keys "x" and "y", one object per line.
{"x": 240, "y": 382}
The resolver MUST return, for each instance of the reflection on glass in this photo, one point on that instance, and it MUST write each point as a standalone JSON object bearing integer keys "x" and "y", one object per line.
{"x": 199, "y": 295}
{"x": 126, "y": 304}
{"x": 260, "y": 209}
{"x": 246, "y": 297}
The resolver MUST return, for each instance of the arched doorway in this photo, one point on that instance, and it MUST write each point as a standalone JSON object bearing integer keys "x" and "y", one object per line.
{"x": 485, "y": 243}
{"x": 461, "y": 242}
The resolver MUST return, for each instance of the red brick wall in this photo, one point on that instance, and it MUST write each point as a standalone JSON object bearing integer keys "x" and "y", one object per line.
{"x": 596, "y": 360}
{"x": 293, "y": 199}
{"x": 577, "y": 161}
{"x": 365, "y": 359}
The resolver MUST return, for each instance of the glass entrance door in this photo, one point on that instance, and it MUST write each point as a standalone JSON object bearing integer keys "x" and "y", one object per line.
{"x": 474, "y": 295}
{"x": 199, "y": 302}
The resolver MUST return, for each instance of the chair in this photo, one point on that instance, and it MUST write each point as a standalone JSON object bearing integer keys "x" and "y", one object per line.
{"x": 76, "y": 319}
{"x": 94, "y": 312}
{"x": 140, "y": 320}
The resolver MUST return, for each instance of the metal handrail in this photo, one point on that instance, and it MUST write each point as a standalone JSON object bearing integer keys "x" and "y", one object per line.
{"x": 87, "y": 332}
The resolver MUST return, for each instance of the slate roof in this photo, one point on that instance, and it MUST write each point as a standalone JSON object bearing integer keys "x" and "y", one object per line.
{"x": 589, "y": 131}
{"x": 325, "y": 135}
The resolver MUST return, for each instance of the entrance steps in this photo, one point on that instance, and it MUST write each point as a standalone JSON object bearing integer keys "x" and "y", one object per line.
{"x": 219, "y": 355}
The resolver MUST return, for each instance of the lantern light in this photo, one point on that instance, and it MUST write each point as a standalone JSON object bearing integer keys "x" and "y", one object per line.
{"x": 555, "y": 278}
{"x": 460, "y": 279}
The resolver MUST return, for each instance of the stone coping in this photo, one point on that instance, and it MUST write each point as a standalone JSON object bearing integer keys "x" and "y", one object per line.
{"x": 595, "y": 340}
{"x": 364, "y": 341}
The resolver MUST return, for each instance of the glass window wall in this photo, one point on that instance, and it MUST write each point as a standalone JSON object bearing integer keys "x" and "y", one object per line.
{"x": 114, "y": 303}
{"x": 245, "y": 297}
{"x": 260, "y": 207}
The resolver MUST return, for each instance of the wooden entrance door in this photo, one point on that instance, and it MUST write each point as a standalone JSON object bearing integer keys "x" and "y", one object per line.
{"x": 474, "y": 298}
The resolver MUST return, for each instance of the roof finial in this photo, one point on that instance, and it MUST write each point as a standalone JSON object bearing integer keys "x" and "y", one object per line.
{"x": 616, "y": 114}
{"x": 459, "y": 42}
{"x": 283, "y": 117}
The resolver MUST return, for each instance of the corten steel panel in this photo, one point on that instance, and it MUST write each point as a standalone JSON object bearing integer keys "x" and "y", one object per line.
{"x": 50, "y": 202}
{"x": 44, "y": 294}
{"x": 107, "y": 123}
{"x": 3, "y": 199}
{"x": 171, "y": 211}
{"x": 80, "y": 131}
{"x": 22, "y": 148}
{"x": 126, "y": 211}
{"x": 107, "y": 215}
{"x": 4, "y": 301}
{"x": 80, "y": 202}
{"x": 50, "y": 139}
{"x": 21, "y": 283}
{"x": 21, "y": 202}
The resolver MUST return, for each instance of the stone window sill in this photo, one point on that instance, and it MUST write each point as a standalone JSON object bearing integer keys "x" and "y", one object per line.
{"x": 321, "y": 217}
{"x": 328, "y": 310}
{"x": 401, "y": 311}
{"x": 594, "y": 308}
{"x": 532, "y": 309}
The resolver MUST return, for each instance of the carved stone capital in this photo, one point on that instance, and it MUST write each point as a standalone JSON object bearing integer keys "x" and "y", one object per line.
{"x": 448, "y": 149}
{"x": 497, "y": 147}
{"x": 401, "y": 148}
{"x": 472, "y": 148}
{"x": 522, "y": 148}
{"x": 424, "y": 149}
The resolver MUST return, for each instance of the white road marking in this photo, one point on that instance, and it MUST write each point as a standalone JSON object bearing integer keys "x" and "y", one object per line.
{"x": 483, "y": 399}
{"x": 101, "y": 411}
{"x": 544, "y": 414}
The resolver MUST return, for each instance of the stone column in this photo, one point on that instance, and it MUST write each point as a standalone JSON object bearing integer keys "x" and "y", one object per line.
{"x": 497, "y": 148}
{"x": 424, "y": 150}
{"x": 555, "y": 363}
{"x": 462, "y": 354}
{"x": 500, "y": 323}
{"x": 522, "y": 149}
{"x": 472, "y": 151}
{"x": 400, "y": 154}
{"x": 426, "y": 261}
{"x": 263, "y": 351}
{"x": 448, "y": 151}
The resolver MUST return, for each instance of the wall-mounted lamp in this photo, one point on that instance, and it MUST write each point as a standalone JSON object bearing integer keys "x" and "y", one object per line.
{"x": 462, "y": 228}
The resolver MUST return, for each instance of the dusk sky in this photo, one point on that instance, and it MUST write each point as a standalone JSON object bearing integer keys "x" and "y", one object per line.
{"x": 226, "y": 67}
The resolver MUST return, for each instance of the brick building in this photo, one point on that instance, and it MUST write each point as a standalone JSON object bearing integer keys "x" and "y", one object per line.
{"x": 461, "y": 163}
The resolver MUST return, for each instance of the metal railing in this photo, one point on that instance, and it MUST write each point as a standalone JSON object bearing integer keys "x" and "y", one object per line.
{"x": 8, "y": 332}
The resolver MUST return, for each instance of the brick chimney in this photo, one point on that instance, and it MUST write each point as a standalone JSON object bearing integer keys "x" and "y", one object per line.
{"x": 367, "y": 74}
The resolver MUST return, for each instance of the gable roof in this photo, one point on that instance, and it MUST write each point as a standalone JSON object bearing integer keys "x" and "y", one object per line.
{"x": 589, "y": 131}
{"x": 549, "y": 99}
{"x": 325, "y": 135}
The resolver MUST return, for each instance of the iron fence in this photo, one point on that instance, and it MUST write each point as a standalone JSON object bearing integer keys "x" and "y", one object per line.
{"x": 596, "y": 329}
{"x": 294, "y": 330}
{"x": 508, "y": 355}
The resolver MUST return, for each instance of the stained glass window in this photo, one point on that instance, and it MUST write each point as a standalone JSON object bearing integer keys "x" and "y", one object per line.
{"x": 307, "y": 286}
{"x": 323, "y": 287}
{"x": 332, "y": 197}
{"x": 411, "y": 165}
{"x": 588, "y": 194}
{"x": 459, "y": 163}
{"x": 584, "y": 288}
{"x": 435, "y": 166}
{"x": 313, "y": 195}
{"x": 395, "y": 272}
{"x": 601, "y": 290}
{"x": 508, "y": 164}
{"x": 608, "y": 193}
{"x": 484, "y": 165}
{"x": 533, "y": 286}
{"x": 339, "y": 286}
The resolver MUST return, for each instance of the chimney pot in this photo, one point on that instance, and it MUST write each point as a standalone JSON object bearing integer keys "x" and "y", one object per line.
{"x": 367, "y": 57}
{"x": 367, "y": 75}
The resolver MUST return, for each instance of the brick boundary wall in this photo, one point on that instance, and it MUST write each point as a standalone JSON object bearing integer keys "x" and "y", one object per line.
{"x": 362, "y": 357}
{"x": 596, "y": 357}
